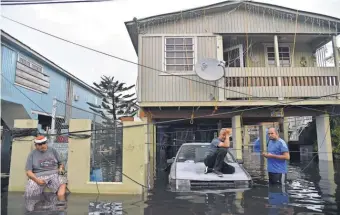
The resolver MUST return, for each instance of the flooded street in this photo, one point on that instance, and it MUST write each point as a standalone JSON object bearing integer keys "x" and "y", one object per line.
{"x": 311, "y": 190}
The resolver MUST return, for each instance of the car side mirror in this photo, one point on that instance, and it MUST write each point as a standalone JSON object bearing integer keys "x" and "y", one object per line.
{"x": 170, "y": 161}
{"x": 240, "y": 161}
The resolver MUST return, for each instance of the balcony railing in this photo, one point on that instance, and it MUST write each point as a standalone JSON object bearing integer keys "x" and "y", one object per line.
{"x": 282, "y": 82}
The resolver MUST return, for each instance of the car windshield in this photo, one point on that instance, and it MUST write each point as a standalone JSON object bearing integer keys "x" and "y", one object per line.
{"x": 196, "y": 153}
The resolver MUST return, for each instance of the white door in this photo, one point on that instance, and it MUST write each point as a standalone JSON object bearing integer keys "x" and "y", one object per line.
{"x": 233, "y": 56}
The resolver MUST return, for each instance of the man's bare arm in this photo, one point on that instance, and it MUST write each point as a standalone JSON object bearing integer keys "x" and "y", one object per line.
{"x": 31, "y": 175}
{"x": 225, "y": 144}
{"x": 284, "y": 156}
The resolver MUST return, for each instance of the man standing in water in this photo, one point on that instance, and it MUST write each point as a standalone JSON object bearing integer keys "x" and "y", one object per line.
{"x": 214, "y": 160}
{"x": 277, "y": 157}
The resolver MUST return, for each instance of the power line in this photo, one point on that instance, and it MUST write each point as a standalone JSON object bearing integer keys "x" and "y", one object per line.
{"x": 168, "y": 121}
{"x": 42, "y": 2}
{"x": 148, "y": 67}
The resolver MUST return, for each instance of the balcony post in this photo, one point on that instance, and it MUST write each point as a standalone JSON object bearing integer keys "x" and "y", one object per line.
{"x": 220, "y": 83}
{"x": 336, "y": 61}
{"x": 277, "y": 61}
{"x": 335, "y": 52}
{"x": 276, "y": 50}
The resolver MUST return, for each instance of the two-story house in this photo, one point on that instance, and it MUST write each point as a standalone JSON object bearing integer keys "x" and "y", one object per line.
{"x": 29, "y": 84}
{"x": 272, "y": 56}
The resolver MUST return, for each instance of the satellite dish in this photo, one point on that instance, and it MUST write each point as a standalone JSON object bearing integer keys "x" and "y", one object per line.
{"x": 210, "y": 69}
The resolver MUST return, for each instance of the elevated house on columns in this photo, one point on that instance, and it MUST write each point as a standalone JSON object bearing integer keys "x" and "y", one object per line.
{"x": 274, "y": 57}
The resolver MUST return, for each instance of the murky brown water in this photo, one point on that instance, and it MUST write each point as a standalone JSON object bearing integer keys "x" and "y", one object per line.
{"x": 312, "y": 190}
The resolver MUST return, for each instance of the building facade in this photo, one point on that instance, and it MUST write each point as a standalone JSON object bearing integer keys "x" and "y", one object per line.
{"x": 272, "y": 55}
{"x": 29, "y": 84}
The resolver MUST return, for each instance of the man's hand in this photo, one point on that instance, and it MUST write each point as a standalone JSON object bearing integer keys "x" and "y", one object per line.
{"x": 227, "y": 132}
{"x": 61, "y": 171}
{"x": 267, "y": 155}
{"x": 40, "y": 182}
{"x": 285, "y": 156}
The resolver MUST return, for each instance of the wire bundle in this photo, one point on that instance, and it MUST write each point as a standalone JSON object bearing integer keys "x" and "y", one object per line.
{"x": 35, "y": 2}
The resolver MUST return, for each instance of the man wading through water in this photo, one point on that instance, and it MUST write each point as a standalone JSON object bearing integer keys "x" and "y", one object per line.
{"x": 214, "y": 160}
{"x": 277, "y": 157}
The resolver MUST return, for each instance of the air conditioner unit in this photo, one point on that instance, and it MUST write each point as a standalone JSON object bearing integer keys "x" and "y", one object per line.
{"x": 76, "y": 97}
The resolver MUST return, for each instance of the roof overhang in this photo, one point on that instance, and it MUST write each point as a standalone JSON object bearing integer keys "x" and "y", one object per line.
{"x": 5, "y": 37}
{"x": 132, "y": 26}
{"x": 11, "y": 111}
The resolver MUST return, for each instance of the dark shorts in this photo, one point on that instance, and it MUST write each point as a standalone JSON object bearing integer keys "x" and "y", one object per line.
{"x": 277, "y": 178}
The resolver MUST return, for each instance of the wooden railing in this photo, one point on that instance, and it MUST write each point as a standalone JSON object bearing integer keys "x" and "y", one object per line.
{"x": 281, "y": 82}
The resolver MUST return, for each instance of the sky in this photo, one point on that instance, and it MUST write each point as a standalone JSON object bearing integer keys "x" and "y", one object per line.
{"x": 101, "y": 26}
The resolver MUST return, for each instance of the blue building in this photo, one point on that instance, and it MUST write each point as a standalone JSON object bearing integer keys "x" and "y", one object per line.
{"x": 30, "y": 82}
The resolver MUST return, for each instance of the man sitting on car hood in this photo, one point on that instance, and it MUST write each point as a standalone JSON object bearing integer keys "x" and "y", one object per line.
{"x": 214, "y": 160}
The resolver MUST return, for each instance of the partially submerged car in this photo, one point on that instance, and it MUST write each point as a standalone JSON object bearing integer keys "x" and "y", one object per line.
{"x": 187, "y": 171}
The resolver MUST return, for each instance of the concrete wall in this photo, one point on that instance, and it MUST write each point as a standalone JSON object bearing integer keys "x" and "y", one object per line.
{"x": 135, "y": 159}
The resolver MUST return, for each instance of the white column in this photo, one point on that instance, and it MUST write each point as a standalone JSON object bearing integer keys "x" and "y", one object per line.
{"x": 221, "y": 82}
{"x": 237, "y": 136}
{"x": 335, "y": 52}
{"x": 277, "y": 62}
{"x": 276, "y": 50}
{"x": 323, "y": 132}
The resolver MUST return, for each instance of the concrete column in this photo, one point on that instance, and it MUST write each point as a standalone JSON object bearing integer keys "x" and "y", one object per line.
{"x": 327, "y": 184}
{"x": 263, "y": 138}
{"x": 246, "y": 137}
{"x": 20, "y": 151}
{"x": 284, "y": 125}
{"x": 237, "y": 136}
{"x": 324, "y": 138}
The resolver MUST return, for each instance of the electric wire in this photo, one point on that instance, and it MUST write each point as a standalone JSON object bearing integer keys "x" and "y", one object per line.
{"x": 145, "y": 66}
{"x": 43, "y": 2}
{"x": 141, "y": 65}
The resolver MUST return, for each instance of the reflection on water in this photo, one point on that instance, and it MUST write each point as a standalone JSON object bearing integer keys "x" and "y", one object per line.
{"x": 310, "y": 190}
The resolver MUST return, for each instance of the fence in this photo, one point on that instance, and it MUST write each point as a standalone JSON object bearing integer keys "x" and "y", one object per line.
{"x": 106, "y": 140}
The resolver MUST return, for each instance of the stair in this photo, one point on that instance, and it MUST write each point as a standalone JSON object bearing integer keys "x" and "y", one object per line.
{"x": 296, "y": 125}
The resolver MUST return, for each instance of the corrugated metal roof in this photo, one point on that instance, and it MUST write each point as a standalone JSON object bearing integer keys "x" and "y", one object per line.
{"x": 132, "y": 28}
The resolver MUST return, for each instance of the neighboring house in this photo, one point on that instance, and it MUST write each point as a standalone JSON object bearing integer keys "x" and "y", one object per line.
{"x": 271, "y": 53}
{"x": 30, "y": 82}
{"x": 40, "y": 80}
{"x": 330, "y": 59}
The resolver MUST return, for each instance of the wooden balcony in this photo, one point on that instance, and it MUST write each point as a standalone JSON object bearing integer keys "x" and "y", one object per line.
{"x": 283, "y": 82}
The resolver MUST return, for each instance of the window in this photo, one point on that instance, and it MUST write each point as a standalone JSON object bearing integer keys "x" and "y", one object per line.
{"x": 284, "y": 56}
{"x": 179, "y": 54}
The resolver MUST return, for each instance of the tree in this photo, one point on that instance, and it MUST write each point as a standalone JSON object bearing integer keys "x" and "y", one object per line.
{"x": 115, "y": 99}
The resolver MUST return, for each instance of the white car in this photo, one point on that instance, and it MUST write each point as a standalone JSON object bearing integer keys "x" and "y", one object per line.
{"x": 187, "y": 171}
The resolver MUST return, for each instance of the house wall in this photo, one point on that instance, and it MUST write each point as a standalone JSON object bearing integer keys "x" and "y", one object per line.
{"x": 58, "y": 87}
{"x": 10, "y": 91}
{"x": 158, "y": 86}
{"x": 239, "y": 19}
{"x": 84, "y": 97}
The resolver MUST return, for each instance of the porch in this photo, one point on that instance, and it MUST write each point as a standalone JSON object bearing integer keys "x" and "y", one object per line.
{"x": 260, "y": 67}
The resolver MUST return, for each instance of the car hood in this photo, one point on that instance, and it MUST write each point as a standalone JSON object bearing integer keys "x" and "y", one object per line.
{"x": 195, "y": 171}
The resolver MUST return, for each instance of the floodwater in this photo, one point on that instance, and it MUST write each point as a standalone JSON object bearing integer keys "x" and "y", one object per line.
{"x": 312, "y": 189}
